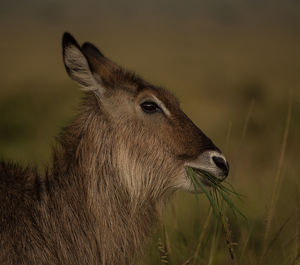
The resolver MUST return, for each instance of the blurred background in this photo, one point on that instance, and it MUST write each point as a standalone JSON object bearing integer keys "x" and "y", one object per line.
{"x": 234, "y": 65}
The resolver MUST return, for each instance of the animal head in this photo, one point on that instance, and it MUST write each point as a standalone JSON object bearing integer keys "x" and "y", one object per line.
{"x": 151, "y": 138}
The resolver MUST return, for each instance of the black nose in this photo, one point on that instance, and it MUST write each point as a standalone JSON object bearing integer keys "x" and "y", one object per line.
{"x": 222, "y": 164}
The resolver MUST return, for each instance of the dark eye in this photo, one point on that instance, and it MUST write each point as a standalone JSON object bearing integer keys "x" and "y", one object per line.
{"x": 150, "y": 107}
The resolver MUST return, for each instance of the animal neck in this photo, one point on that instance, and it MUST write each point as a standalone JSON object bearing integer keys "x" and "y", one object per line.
{"x": 85, "y": 167}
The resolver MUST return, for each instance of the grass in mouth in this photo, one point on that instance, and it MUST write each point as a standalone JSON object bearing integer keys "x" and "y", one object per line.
{"x": 218, "y": 194}
{"x": 215, "y": 191}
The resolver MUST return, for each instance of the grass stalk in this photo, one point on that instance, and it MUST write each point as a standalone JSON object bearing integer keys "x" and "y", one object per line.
{"x": 163, "y": 253}
{"x": 188, "y": 261}
{"x": 245, "y": 246}
{"x": 164, "y": 247}
{"x": 201, "y": 236}
{"x": 228, "y": 237}
{"x": 278, "y": 179}
{"x": 297, "y": 234}
{"x": 217, "y": 196}
{"x": 167, "y": 241}
{"x": 214, "y": 244}
{"x": 276, "y": 236}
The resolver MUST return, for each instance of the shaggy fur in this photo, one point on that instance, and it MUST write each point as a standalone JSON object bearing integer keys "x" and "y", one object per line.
{"x": 112, "y": 169}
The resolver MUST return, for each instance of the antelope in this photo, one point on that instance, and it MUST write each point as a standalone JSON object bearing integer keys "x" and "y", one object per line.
{"x": 113, "y": 169}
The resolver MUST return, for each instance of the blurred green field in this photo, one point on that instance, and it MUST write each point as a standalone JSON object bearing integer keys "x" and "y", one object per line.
{"x": 229, "y": 67}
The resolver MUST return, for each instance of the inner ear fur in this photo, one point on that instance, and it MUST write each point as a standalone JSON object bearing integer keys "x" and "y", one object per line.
{"x": 77, "y": 64}
{"x": 88, "y": 66}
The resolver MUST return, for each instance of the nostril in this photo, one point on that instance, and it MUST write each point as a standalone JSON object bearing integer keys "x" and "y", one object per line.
{"x": 222, "y": 164}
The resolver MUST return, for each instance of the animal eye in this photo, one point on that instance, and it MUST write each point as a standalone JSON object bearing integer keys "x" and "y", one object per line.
{"x": 150, "y": 107}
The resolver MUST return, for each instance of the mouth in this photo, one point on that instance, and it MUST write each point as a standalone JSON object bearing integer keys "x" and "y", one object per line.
{"x": 206, "y": 177}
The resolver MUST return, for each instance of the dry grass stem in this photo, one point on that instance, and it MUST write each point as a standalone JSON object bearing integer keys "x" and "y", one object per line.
{"x": 201, "y": 236}
{"x": 188, "y": 261}
{"x": 214, "y": 244}
{"x": 278, "y": 179}
{"x": 228, "y": 237}
{"x": 163, "y": 253}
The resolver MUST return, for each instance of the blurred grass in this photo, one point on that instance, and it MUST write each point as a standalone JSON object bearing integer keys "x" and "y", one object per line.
{"x": 217, "y": 63}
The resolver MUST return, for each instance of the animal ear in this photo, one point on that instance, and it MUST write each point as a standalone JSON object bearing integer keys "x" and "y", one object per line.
{"x": 102, "y": 67}
{"x": 77, "y": 65}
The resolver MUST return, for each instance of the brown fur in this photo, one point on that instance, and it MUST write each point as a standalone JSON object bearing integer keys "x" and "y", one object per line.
{"x": 112, "y": 169}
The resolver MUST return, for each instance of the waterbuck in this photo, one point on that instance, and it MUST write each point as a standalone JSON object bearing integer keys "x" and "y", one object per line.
{"x": 113, "y": 167}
